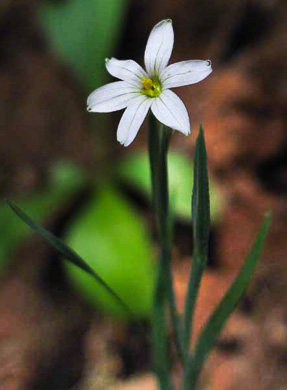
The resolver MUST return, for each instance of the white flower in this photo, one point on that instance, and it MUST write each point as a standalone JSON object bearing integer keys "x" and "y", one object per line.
{"x": 141, "y": 90}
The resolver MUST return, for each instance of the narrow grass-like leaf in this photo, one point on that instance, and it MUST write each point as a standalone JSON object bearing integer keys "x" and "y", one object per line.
{"x": 225, "y": 308}
{"x": 134, "y": 171}
{"x": 200, "y": 222}
{"x": 200, "y": 197}
{"x": 64, "y": 182}
{"x": 67, "y": 252}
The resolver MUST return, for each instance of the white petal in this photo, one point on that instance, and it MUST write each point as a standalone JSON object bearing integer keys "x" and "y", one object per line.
{"x": 185, "y": 73}
{"x": 159, "y": 47}
{"x": 169, "y": 109}
{"x": 112, "y": 97}
{"x": 132, "y": 120}
{"x": 127, "y": 70}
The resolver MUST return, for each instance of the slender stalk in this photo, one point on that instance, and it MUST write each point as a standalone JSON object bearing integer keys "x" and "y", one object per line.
{"x": 160, "y": 340}
{"x": 159, "y": 137}
{"x": 195, "y": 277}
{"x": 191, "y": 373}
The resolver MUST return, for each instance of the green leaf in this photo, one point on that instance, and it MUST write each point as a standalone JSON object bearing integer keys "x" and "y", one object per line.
{"x": 83, "y": 33}
{"x": 68, "y": 254}
{"x": 200, "y": 223}
{"x": 64, "y": 182}
{"x": 134, "y": 170}
{"x": 225, "y": 308}
{"x": 200, "y": 198}
{"x": 112, "y": 238}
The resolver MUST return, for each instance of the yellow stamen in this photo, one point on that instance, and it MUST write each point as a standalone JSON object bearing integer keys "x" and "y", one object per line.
{"x": 151, "y": 87}
{"x": 147, "y": 83}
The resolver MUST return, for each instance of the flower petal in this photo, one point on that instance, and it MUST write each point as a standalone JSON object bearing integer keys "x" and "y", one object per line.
{"x": 169, "y": 109}
{"x": 185, "y": 73}
{"x": 112, "y": 97}
{"x": 127, "y": 70}
{"x": 159, "y": 47}
{"x": 132, "y": 120}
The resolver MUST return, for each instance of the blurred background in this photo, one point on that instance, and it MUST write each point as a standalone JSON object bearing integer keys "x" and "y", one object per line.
{"x": 58, "y": 329}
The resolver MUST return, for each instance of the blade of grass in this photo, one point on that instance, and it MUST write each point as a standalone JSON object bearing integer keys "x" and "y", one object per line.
{"x": 225, "y": 308}
{"x": 67, "y": 253}
{"x": 200, "y": 223}
{"x": 200, "y": 197}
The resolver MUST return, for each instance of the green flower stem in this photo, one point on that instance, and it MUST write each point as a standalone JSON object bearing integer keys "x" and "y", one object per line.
{"x": 161, "y": 361}
{"x": 159, "y": 137}
{"x": 197, "y": 269}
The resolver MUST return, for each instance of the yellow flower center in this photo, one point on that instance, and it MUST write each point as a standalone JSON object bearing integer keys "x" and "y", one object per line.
{"x": 147, "y": 83}
{"x": 151, "y": 87}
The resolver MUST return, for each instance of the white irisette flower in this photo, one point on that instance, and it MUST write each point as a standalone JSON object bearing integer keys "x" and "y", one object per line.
{"x": 140, "y": 90}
